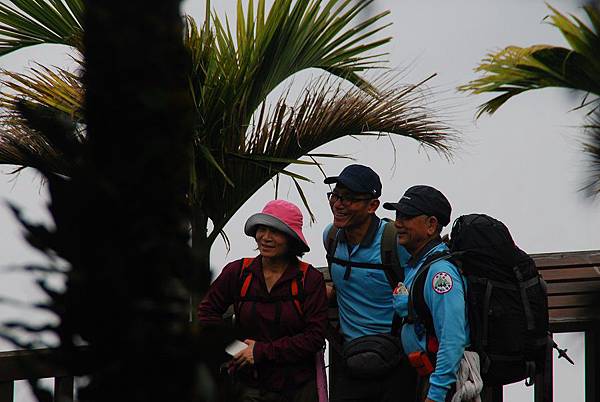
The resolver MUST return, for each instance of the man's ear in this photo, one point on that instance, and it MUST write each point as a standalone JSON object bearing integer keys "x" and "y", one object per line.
{"x": 432, "y": 225}
{"x": 373, "y": 205}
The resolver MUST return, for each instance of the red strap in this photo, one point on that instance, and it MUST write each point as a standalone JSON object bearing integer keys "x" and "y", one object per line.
{"x": 245, "y": 264}
{"x": 432, "y": 344}
{"x": 303, "y": 266}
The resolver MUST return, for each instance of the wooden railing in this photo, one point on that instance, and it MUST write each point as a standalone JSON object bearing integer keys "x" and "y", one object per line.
{"x": 574, "y": 306}
{"x": 31, "y": 364}
{"x": 573, "y": 280}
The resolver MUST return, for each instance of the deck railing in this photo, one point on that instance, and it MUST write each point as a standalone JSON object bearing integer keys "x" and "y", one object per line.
{"x": 31, "y": 364}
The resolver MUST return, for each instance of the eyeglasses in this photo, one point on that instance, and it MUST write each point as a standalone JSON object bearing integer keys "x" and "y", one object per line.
{"x": 346, "y": 200}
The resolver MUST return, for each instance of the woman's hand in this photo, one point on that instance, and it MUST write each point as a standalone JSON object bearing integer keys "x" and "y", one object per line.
{"x": 246, "y": 356}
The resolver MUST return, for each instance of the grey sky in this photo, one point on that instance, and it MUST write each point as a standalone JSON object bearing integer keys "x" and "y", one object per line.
{"x": 523, "y": 165}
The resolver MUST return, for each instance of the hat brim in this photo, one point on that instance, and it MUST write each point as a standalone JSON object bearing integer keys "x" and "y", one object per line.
{"x": 404, "y": 209}
{"x": 331, "y": 180}
{"x": 275, "y": 223}
{"x": 345, "y": 183}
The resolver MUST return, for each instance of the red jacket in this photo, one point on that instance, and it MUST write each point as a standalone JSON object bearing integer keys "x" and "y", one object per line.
{"x": 284, "y": 353}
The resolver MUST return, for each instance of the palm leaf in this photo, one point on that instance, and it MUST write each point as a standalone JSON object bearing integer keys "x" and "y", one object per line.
{"x": 33, "y": 22}
{"x": 326, "y": 112}
{"x": 305, "y": 35}
{"x": 591, "y": 148}
{"x": 239, "y": 141}
{"x": 514, "y": 70}
{"x": 60, "y": 90}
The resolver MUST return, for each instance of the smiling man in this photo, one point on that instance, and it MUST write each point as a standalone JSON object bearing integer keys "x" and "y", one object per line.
{"x": 363, "y": 284}
{"x": 436, "y": 330}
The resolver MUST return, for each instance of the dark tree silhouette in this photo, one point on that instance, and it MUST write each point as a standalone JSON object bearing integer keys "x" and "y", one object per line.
{"x": 121, "y": 218}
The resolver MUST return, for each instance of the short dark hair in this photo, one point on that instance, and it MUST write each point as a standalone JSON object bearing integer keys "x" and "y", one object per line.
{"x": 296, "y": 248}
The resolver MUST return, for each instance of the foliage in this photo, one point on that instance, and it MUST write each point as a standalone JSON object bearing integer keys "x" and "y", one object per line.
{"x": 35, "y": 22}
{"x": 514, "y": 70}
{"x": 240, "y": 143}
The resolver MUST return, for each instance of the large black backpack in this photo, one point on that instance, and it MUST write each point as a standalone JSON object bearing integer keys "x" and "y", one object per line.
{"x": 506, "y": 300}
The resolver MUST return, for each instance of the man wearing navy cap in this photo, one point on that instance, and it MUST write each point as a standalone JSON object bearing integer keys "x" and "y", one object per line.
{"x": 362, "y": 287}
{"x": 436, "y": 331}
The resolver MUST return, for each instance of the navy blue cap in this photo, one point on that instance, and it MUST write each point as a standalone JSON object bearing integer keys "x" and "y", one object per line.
{"x": 359, "y": 179}
{"x": 423, "y": 200}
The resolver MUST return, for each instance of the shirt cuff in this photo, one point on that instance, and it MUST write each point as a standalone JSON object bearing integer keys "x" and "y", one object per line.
{"x": 259, "y": 352}
{"x": 437, "y": 393}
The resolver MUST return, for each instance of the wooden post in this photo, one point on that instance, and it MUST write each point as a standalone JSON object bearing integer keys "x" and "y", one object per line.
{"x": 544, "y": 385}
{"x": 63, "y": 389}
{"x": 492, "y": 394}
{"x": 592, "y": 364}
{"x": 7, "y": 391}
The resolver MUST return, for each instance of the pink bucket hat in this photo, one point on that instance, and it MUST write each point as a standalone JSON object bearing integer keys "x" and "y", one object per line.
{"x": 281, "y": 215}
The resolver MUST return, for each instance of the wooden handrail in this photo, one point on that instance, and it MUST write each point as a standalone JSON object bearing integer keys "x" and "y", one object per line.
{"x": 18, "y": 365}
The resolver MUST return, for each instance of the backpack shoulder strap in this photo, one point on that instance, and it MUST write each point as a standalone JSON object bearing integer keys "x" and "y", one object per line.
{"x": 331, "y": 242}
{"x": 244, "y": 280}
{"x": 245, "y": 276}
{"x": 389, "y": 255}
{"x": 297, "y": 286}
{"x": 417, "y": 308}
{"x": 330, "y": 246}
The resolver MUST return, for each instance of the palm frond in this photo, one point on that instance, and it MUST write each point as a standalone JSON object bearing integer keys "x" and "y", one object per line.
{"x": 326, "y": 112}
{"x": 33, "y": 22}
{"x": 24, "y": 147}
{"x": 591, "y": 148}
{"x": 514, "y": 70}
{"x": 300, "y": 35}
{"x": 57, "y": 96}
{"x": 59, "y": 90}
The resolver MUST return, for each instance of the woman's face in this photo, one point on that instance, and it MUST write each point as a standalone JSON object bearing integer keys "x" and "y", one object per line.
{"x": 271, "y": 242}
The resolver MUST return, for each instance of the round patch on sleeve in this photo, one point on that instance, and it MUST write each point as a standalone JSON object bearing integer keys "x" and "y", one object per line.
{"x": 442, "y": 283}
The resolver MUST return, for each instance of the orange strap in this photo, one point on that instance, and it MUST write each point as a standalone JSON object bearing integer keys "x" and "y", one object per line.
{"x": 420, "y": 361}
{"x": 303, "y": 266}
{"x": 245, "y": 264}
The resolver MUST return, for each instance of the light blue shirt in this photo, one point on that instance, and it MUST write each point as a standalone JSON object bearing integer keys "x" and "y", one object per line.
{"x": 444, "y": 294}
{"x": 365, "y": 298}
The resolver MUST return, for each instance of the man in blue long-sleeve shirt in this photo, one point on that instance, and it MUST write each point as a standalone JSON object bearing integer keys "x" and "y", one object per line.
{"x": 421, "y": 214}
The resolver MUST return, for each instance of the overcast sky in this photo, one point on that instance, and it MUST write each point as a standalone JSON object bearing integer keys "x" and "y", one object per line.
{"x": 523, "y": 165}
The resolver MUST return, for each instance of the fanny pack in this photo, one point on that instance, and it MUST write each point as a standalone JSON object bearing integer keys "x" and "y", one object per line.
{"x": 372, "y": 355}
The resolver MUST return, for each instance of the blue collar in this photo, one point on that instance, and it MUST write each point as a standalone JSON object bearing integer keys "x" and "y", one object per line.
{"x": 369, "y": 236}
{"x": 413, "y": 260}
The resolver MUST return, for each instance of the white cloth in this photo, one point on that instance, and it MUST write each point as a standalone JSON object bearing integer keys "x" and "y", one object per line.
{"x": 468, "y": 381}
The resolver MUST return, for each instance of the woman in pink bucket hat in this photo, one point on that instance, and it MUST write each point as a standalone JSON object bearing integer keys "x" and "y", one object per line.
{"x": 280, "y": 311}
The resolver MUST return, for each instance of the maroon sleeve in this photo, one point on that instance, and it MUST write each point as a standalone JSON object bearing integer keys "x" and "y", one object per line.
{"x": 305, "y": 344}
{"x": 220, "y": 295}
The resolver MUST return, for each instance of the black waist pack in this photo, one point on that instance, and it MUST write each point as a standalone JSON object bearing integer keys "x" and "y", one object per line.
{"x": 372, "y": 355}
